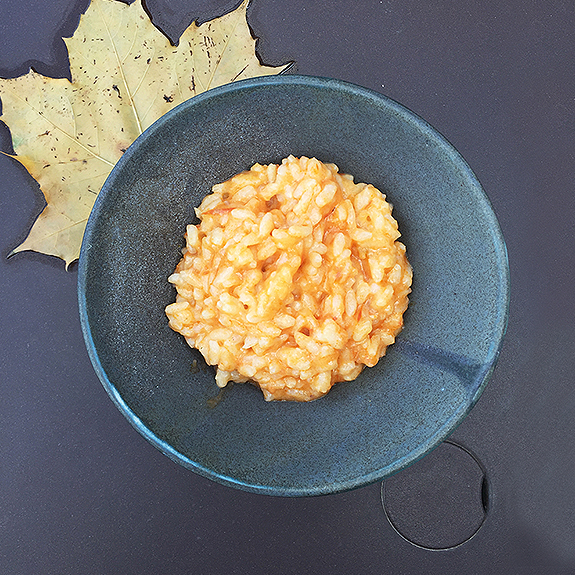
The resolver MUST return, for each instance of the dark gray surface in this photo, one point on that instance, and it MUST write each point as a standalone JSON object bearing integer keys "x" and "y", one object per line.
{"x": 82, "y": 492}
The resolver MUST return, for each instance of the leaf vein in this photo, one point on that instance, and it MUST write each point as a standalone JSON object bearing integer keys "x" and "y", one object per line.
{"x": 227, "y": 43}
{"x": 121, "y": 70}
{"x": 72, "y": 225}
{"x": 62, "y": 131}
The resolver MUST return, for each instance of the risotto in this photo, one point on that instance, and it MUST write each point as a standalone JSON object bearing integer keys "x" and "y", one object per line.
{"x": 293, "y": 279}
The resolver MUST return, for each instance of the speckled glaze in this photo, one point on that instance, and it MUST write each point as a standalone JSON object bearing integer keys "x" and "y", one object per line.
{"x": 361, "y": 431}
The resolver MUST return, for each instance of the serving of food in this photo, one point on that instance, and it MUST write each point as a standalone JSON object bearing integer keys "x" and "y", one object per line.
{"x": 294, "y": 279}
{"x": 221, "y": 247}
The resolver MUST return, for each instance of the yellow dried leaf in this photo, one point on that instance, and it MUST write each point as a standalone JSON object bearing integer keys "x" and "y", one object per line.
{"x": 125, "y": 75}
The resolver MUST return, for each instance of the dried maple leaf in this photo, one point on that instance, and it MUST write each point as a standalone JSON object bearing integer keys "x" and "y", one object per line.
{"x": 125, "y": 75}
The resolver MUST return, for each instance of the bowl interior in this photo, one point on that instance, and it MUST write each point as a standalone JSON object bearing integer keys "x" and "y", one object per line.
{"x": 362, "y": 430}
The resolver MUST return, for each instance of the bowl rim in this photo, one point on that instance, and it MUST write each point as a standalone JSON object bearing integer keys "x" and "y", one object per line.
{"x": 431, "y": 442}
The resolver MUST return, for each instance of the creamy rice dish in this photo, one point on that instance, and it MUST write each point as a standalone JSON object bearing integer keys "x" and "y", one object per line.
{"x": 294, "y": 279}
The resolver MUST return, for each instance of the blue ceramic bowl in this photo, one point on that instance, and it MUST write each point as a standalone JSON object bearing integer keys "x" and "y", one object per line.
{"x": 361, "y": 431}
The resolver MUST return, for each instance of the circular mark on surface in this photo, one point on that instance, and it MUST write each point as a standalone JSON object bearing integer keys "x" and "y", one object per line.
{"x": 439, "y": 502}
